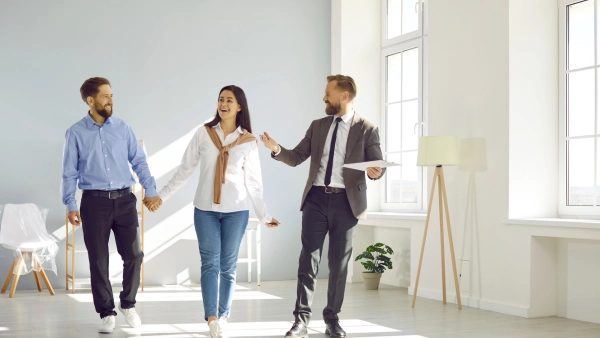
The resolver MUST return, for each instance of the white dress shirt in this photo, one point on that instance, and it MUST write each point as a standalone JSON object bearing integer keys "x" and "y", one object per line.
{"x": 243, "y": 178}
{"x": 337, "y": 180}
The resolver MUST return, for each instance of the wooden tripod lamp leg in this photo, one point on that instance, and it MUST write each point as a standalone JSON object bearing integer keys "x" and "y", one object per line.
{"x": 439, "y": 171}
{"x": 456, "y": 285}
{"x": 424, "y": 238}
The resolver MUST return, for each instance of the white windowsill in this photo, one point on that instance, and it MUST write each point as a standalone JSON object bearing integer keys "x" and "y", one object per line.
{"x": 412, "y": 216}
{"x": 556, "y": 222}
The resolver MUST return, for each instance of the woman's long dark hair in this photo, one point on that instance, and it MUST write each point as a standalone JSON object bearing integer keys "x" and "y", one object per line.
{"x": 242, "y": 118}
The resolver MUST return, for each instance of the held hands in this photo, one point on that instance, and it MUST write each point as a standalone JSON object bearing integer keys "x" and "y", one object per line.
{"x": 374, "y": 172}
{"x": 270, "y": 143}
{"x": 273, "y": 224}
{"x": 152, "y": 203}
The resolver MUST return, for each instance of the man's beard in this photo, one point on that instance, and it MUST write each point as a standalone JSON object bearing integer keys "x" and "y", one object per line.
{"x": 330, "y": 109}
{"x": 103, "y": 112}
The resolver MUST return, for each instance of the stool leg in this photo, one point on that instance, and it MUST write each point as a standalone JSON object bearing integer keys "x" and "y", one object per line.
{"x": 249, "y": 241}
{"x": 258, "y": 254}
{"x": 37, "y": 280}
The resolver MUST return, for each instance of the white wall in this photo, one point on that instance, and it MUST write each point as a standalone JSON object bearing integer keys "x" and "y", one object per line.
{"x": 166, "y": 61}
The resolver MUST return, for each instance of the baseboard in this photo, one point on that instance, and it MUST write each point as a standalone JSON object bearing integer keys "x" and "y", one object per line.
{"x": 506, "y": 308}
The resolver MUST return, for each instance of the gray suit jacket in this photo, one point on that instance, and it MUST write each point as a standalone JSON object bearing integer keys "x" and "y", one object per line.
{"x": 363, "y": 145}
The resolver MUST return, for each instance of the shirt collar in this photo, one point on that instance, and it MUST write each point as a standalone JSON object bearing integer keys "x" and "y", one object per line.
{"x": 238, "y": 129}
{"x": 90, "y": 121}
{"x": 347, "y": 117}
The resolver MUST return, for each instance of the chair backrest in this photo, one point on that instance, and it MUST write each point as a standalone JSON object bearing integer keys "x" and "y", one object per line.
{"x": 22, "y": 223}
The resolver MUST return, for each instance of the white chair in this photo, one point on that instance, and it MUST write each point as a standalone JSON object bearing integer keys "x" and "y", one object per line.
{"x": 254, "y": 226}
{"x": 23, "y": 229}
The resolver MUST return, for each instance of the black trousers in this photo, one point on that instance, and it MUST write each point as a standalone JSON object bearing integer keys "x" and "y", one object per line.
{"x": 100, "y": 215}
{"x": 324, "y": 213}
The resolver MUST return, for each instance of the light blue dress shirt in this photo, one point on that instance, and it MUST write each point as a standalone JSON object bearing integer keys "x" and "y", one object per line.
{"x": 99, "y": 156}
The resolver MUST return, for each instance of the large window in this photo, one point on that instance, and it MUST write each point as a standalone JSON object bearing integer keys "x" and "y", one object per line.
{"x": 579, "y": 132}
{"x": 403, "y": 42}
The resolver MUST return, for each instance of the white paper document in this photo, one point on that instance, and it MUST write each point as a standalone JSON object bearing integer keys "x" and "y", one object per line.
{"x": 364, "y": 165}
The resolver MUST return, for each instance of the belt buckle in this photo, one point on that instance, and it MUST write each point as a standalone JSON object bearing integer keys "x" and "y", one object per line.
{"x": 327, "y": 191}
{"x": 110, "y": 195}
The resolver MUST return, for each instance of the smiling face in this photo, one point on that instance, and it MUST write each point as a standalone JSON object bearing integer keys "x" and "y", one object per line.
{"x": 102, "y": 103}
{"x": 333, "y": 98}
{"x": 228, "y": 106}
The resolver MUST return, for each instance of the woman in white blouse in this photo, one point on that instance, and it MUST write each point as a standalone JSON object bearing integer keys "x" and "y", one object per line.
{"x": 230, "y": 177}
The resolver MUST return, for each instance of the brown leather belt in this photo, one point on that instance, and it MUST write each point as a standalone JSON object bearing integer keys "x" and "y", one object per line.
{"x": 330, "y": 190}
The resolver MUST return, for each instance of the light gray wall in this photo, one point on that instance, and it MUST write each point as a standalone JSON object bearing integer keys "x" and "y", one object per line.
{"x": 166, "y": 61}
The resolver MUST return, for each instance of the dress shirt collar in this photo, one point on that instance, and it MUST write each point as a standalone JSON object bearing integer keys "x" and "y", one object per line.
{"x": 89, "y": 121}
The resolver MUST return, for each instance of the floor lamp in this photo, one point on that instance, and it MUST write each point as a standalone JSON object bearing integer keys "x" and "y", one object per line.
{"x": 438, "y": 151}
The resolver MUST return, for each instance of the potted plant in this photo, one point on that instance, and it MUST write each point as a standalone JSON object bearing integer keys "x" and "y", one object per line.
{"x": 375, "y": 262}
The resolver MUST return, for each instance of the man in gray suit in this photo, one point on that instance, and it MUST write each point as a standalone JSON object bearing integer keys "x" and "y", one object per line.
{"x": 334, "y": 197}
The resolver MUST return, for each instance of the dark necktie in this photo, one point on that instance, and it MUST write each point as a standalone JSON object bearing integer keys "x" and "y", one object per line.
{"x": 331, "y": 151}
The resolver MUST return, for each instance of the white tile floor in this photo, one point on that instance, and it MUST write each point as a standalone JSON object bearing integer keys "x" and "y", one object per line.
{"x": 266, "y": 311}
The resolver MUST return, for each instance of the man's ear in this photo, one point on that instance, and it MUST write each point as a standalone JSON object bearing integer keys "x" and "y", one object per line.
{"x": 90, "y": 100}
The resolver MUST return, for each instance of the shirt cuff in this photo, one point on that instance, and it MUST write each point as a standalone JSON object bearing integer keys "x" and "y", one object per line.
{"x": 150, "y": 192}
{"x": 267, "y": 219}
{"x": 277, "y": 153}
{"x": 72, "y": 206}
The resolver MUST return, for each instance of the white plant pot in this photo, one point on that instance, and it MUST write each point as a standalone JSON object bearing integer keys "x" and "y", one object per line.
{"x": 371, "y": 280}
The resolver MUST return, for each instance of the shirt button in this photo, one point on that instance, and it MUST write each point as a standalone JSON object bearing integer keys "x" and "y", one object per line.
{"x": 108, "y": 168}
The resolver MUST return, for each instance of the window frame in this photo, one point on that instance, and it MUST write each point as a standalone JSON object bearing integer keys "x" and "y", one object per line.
{"x": 564, "y": 210}
{"x": 416, "y": 39}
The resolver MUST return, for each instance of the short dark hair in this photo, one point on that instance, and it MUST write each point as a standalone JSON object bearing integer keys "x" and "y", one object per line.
{"x": 242, "y": 118}
{"x": 90, "y": 87}
{"x": 345, "y": 83}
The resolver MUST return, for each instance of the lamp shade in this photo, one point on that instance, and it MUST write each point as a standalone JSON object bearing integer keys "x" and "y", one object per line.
{"x": 438, "y": 150}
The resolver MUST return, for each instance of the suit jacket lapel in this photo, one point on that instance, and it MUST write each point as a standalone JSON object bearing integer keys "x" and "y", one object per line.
{"x": 353, "y": 135}
{"x": 323, "y": 130}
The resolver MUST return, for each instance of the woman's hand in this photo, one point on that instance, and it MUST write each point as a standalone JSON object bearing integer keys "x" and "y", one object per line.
{"x": 273, "y": 224}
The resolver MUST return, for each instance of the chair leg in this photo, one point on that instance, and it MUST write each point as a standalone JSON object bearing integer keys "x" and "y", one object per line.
{"x": 9, "y": 277}
{"x": 37, "y": 280}
{"x": 17, "y": 276}
{"x": 43, "y": 273}
{"x": 50, "y": 289}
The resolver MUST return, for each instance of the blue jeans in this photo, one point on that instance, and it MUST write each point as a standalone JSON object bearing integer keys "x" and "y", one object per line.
{"x": 219, "y": 237}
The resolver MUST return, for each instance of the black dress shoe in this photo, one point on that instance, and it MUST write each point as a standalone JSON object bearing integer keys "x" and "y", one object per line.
{"x": 333, "y": 329}
{"x": 298, "y": 330}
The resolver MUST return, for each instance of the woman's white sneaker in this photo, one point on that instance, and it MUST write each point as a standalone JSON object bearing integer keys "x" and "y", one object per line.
{"x": 215, "y": 329}
{"x": 131, "y": 317}
{"x": 108, "y": 324}
{"x": 224, "y": 327}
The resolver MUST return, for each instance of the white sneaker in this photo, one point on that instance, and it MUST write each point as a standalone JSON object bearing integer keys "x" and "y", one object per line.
{"x": 215, "y": 329}
{"x": 131, "y": 317}
{"x": 222, "y": 322}
{"x": 108, "y": 324}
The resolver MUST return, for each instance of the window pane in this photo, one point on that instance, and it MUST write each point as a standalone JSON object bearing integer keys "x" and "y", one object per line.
{"x": 410, "y": 16}
{"x": 410, "y": 74}
{"x": 580, "y": 171}
{"x": 410, "y": 117}
{"x": 580, "y": 39}
{"x": 394, "y": 77}
{"x": 393, "y": 125}
{"x": 394, "y": 18}
{"x": 402, "y": 183}
{"x": 580, "y": 97}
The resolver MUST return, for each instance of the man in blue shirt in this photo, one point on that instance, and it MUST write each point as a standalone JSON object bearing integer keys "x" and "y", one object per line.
{"x": 98, "y": 151}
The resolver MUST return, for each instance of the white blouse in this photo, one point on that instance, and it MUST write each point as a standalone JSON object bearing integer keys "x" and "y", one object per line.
{"x": 243, "y": 179}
